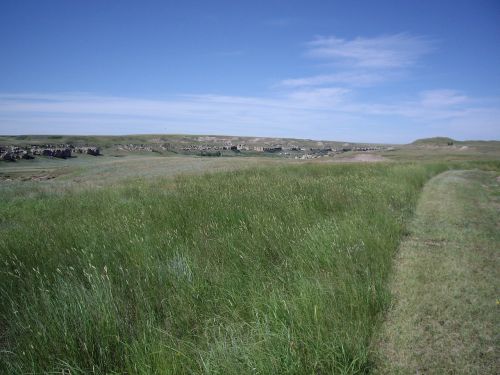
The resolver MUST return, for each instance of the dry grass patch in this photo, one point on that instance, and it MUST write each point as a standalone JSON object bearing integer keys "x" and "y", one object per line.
{"x": 444, "y": 319}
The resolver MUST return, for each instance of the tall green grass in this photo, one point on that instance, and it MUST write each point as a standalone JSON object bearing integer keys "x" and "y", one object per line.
{"x": 262, "y": 271}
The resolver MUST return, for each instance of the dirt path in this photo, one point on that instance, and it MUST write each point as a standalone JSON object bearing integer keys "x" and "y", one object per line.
{"x": 445, "y": 317}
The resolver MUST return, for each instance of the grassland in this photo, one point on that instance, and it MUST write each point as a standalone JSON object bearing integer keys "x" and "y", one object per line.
{"x": 426, "y": 150}
{"x": 444, "y": 317}
{"x": 51, "y": 174}
{"x": 147, "y": 264}
{"x": 266, "y": 270}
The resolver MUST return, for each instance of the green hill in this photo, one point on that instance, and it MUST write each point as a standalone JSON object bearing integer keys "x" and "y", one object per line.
{"x": 435, "y": 141}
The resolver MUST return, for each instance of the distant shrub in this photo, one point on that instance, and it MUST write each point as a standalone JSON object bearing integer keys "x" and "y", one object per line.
{"x": 210, "y": 153}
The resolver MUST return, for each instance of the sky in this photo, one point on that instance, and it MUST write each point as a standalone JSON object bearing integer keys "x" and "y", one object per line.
{"x": 361, "y": 71}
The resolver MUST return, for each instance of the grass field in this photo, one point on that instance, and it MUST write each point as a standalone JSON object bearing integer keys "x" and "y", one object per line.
{"x": 93, "y": 172}
{"x": 270, "y": 270}
{"x": 148, "y": 265}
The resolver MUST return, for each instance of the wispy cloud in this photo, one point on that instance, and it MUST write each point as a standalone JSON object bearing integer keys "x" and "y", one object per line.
{"x": 328, "y": 106}
{"x": 440, "y": 98}
{"x": 362, "y": 62}
{"x": 348, "y": 78}
{"x": 328, "y": 97}
{"x": 389, "y": 51}
{"x": 328, "y": 113}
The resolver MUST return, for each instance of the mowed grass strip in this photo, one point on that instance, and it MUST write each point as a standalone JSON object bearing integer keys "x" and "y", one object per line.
{"x": 445, "y": 316}
{"x": 261, "y": 271}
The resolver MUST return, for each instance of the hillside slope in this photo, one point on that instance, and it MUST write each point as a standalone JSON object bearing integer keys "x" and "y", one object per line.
{"x": 435, "y": 141}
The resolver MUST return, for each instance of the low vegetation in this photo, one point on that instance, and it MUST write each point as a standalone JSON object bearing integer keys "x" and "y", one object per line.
{"x": 264, "y": 270}
{"x": 446, "y": 283}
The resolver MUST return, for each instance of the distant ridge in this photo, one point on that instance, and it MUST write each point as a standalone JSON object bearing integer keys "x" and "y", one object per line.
{"x": 109, "y": 140}
{"x": 435, "y": 141}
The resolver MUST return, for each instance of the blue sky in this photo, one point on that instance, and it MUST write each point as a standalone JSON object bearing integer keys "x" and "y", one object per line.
{"x": 374, "y": 71}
